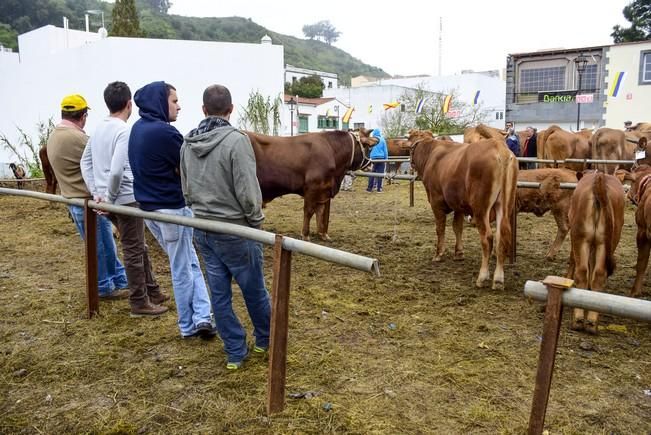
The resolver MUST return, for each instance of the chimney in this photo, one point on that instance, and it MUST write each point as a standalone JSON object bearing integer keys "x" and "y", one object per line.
{"x": 266, "y": 39}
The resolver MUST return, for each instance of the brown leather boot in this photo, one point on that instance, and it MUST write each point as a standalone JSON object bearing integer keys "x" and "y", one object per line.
{"x": 158, "y": 297}
{"x": 147, "y": 309}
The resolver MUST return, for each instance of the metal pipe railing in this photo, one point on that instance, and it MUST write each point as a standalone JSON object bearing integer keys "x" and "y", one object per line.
{"x": 384, "y": 175}
{"x": 344, "y": 258}
{"x": 536, "y": 185}
{"x": 556, "y": 162}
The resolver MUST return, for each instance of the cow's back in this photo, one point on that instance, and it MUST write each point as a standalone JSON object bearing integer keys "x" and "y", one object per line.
{"x": 549, "y": 196}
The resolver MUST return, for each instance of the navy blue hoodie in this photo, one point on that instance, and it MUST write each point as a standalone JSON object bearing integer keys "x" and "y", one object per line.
{"x": 155, "y": 151}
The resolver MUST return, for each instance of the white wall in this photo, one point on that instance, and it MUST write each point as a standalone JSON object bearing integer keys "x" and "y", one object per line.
{"x": 36, "y": 86}
{"x": 633, "y": 102}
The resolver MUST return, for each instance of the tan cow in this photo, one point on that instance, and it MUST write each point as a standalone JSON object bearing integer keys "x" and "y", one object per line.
{"x": 558, "y": 144}
{"x": 640, "y": 195}
{"x": 642, "y": 129}
{"x": 596, "y": 220}
{"x": 469, "y": 179}
{"x": 482, "y": 131}
{"x": 549, "y": 197}
{"x": 610, "y": 144}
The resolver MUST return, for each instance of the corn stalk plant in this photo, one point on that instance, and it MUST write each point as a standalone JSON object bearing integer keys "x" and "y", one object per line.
{"x": 25, "y": 150}
{"x": 261, "y": 115}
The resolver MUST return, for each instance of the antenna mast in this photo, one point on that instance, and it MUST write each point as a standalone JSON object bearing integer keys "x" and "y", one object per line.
{"x": 440, "y": 43}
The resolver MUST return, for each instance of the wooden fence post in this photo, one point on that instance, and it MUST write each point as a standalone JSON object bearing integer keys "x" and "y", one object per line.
{"x": 90, "y": 230}
{"x": 279, "y": 327}
{"x": 551, "y": 328}
{"x": 411, "y": 188}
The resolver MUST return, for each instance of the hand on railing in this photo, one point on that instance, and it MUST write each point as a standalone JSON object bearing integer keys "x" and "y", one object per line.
{"x": 98, "y": 199}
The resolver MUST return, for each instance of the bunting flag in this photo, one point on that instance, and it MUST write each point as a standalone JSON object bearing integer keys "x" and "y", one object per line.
{"x": 476, "y": 99}
{"x": 419, "y": 105}
{"x": 370, "y": 108}
{"x": 347, "y": 115}
{"x": 446, "y": 103}
{"x": 392, "y": 105}
{"x": 328, "y": 113}
{"x": 617, "y": 84}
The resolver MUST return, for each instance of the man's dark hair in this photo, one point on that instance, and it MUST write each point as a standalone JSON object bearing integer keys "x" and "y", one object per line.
{"x": 217, "y": 100}
{"x": 116, "y": 96}
{"x": 74, "y": 116}
{"x": 169, "y": 88}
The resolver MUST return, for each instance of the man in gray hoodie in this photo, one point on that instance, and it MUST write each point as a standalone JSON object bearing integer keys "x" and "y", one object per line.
{"x": 218, "y": 176}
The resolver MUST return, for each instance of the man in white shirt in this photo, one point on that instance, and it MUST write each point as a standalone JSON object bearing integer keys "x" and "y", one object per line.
{"x": 107, "y": 174}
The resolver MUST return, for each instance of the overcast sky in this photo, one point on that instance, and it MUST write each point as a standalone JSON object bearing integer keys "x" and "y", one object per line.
{"x": 402, "y": 36}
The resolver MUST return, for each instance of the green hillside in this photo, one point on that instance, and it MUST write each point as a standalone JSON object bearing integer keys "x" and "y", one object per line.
{"x": 20, "y": 16}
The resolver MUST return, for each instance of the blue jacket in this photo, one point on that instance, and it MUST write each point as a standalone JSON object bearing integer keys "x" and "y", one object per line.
{"x": 514, "y": 144}
{"x": 379, "y": 151}
{"x": 154, "y": 151}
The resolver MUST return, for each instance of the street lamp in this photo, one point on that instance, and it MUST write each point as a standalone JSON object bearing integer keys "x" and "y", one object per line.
{"x": 581, "y": 62}
{"x": 292, "y": 104}
{"x": 94, "y": 12}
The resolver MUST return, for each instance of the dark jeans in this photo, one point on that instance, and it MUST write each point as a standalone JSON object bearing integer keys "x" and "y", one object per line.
{"x": 377, "y": 167}
{"x": 227, "y": 257}
{"x": 140, "y": 276}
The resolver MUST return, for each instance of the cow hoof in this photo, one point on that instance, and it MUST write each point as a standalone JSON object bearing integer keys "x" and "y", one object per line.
{"x": 498, "y": 285}
{"x": 458, "y": 256}
{"x": 306, "y": 238}
{"x": 577, "y": 325}
{"x": 437, "y": 259}
{"x": 325, "y": 237}
{"x": 480, "y": 283}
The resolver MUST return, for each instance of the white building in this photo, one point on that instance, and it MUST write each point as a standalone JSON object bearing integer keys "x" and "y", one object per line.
{"x": 310, "y": 115}
{"x": 369, "y": 97}
{"x": 54, "y": 62}
{"x": 293, "y": 74}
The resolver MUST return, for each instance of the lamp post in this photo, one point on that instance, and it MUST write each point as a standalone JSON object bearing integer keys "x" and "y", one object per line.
{"x": 581, "y": 62}
{"x": 95, "y": 12}
{"x": 292, "y": 104}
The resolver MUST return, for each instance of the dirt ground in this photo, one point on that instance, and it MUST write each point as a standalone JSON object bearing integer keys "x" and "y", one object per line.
{"x": 417, "y": 350}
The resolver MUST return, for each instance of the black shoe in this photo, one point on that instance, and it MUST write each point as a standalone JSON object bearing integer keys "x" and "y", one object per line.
{"x": 206, "y": 331}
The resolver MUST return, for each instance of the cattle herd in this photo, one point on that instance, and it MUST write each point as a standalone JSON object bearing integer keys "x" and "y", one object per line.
{"x": 477, "y": 180}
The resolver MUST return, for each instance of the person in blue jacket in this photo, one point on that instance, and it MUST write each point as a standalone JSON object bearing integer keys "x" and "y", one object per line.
{"x": 513, "y": 142}
{"x": 379, "y": 151}
{"x": 154, "y": 156}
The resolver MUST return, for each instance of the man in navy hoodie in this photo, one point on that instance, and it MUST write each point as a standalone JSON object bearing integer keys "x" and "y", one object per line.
{"x": 154, "y": 155}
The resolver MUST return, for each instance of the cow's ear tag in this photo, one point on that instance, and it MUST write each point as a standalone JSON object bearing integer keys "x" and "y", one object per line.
{"x": 640, "y": 155}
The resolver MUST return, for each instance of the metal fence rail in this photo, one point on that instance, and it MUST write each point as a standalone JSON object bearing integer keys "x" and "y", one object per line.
{"x": 585, "y": 161}
{"x": 557, "y": 292}
{"x": 283, "y": 248}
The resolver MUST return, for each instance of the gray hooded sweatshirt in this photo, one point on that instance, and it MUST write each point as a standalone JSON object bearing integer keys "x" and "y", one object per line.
{"x": 218, "y": 177}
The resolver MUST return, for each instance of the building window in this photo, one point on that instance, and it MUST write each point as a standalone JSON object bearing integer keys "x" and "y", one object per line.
{"x": 499, "y": 115}
{"x": 328, "y": 122}
{"x": 303, "y": 126}
{"x": 293, "y": 79}
{"x": 402, "y": 107}
{"x": 329, "y": 85}
{"x": 358, "y": 125}
{"x": 542, "y": 79}
{"x": 645, "y": 68}
{"x": 589, "y": 79}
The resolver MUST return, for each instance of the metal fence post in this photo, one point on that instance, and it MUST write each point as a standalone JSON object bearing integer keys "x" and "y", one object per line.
{"x": 514, "y": 234}
{"x": 411, "y": 188}
{"x": 90, "y": 238}
{"x": 551, "y": 327}
{"x": 279, "y": 327}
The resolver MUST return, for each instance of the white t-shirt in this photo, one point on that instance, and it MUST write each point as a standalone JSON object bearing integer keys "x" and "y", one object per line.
{"x": 105, "y": 162}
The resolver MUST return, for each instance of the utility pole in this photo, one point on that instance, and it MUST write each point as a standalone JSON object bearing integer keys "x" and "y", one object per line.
{"x": 440, "y": 44}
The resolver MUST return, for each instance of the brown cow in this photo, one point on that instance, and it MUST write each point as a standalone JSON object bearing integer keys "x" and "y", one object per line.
{"x": 469, "y": 179}
{"x": 549, "y": 197}
{"x": 311, "y": 165}
{"x": 596, "y": 220}
{"x": 48, "y": 172}
{"x": 609, "y": 144}
{"x": 642, "y": 129}
{"x": 396, "y": 148}
{"x": 639, "y": 195}
{"x": 482, "y": 131}
{"x": 558, "y": 144}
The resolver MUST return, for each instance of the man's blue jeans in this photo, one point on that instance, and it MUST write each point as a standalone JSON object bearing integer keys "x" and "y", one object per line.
{"x": 227, "y": 257}
{"x": 378, "y": 168}
{"x": 110, "y": 272}
{"x": 190, "y": 292}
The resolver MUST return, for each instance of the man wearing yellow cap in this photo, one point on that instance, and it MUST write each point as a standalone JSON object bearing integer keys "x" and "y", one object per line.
{"x": 65, "y": 147}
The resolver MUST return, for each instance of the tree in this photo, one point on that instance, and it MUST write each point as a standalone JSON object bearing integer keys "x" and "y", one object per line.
{"x": 159, "y": 6}
{"x": 638, "y": 13}
{"x": 323, "y": 30}
{"x": 306, "y": 87}
{"x": 8, "y": 36}
{"x": 125, "y": 19}
{"x": 431, "y": 116}
{"x": 29, "y": 157}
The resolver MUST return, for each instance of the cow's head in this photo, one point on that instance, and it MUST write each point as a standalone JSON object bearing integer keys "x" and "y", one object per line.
{"x": 365, "y": 138}
{"x": 640, "y": 179}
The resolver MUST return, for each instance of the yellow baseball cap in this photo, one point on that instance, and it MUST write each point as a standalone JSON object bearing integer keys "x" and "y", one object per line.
{"x": 73, "y": 103}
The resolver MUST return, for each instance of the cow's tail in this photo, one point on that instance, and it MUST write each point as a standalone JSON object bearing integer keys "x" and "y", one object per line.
{"x": 508, "y": 188}
{"x": 605, "y": 208}
{"x": 596, "y": 151}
